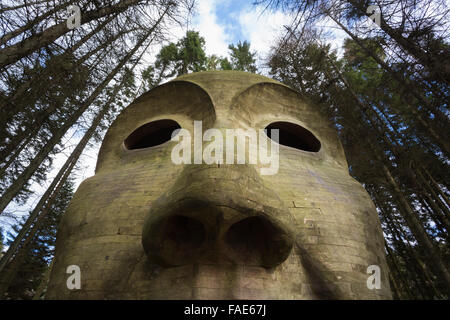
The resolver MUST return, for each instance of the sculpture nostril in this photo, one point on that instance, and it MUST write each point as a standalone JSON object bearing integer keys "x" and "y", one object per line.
{"x": 184, "y": 233}
{"x": 257, "y": 241}
{"x": 175, "y": 240}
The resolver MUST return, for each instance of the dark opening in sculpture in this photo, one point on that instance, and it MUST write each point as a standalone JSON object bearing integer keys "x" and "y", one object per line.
{"x": 151, "y": 134}
{"x": 293, "y": 135}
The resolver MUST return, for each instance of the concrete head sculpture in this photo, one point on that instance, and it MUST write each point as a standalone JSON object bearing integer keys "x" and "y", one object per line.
{"x": 145, "y": 227}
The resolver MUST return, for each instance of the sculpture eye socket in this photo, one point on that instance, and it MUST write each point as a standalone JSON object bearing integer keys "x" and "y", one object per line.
{"x": 294, "y": 136}
{"x": 151, "y": 134}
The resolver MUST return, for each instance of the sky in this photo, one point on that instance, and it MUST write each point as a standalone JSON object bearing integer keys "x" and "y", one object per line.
{"x": 220, "y": 23}
{"x": 224, "y": 22}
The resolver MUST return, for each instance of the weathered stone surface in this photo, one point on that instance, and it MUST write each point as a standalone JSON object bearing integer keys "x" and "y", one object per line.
{"x": 320, "y": 228}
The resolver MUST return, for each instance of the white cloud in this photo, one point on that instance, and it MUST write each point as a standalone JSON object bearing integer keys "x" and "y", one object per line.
{"x": 261, "y": 28}
{"x": 204, "y": 21}
{"x": 215, "y": 35}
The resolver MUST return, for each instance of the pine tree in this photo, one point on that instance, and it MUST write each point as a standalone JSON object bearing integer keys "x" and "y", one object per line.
{"x": 1, "y": 241}
{"x": 175, "y": 59}
{"x": 242, "y": 58}
{"x": 48, "y": 91}
{"x": 388, "y": 150}
{"x": 26, "y": 275}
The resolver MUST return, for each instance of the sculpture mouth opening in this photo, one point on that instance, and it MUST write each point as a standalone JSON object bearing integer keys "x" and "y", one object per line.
{"x": 257, "y": 241}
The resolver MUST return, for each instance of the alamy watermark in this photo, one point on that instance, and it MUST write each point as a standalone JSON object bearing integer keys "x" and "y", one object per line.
{"x": 74, "y": 19}
{"x": 74, "y": 280}
{"x": 374, "y": 280}
{"x": 374, "y": 20}
{"x": 220, "y": 149}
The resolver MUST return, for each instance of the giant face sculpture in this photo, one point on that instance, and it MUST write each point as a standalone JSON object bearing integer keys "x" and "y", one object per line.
{"x": 146, "y": 228}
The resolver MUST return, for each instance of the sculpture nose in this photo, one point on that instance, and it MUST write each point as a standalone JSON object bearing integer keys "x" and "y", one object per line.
{"x": 226, "y": 210}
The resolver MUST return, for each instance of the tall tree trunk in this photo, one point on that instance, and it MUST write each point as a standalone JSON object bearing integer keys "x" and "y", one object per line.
{"x": 438, "y": 188}
{"x": 441, "y": 142}
{"x": 7, "y": 275}
{"x": 23, "y": 48}
{"x": 21, "y": 180}
{"x": 11, "y": 270}
{"x": 406, "y": 83}
{"x": 30, "y": 129}
{"x": 400, "y": 241}
{"x": 46, "y": 200}
{"x": 410, "y": 217}
{"x": 429, "y": 61}
{"x": 39, "y": 212}
{"x": 391, "y": 258}
{"x": 30, "y": 24}
{"x": 20, "y": 6}
{"x": 44, "y": 282}
{"x": 395, "y": 149}
{"x": 11, "y": 107}
{"x": 416, "y": 227}
{"x": 13, "y": 156}
{"x": 21, "y": 90}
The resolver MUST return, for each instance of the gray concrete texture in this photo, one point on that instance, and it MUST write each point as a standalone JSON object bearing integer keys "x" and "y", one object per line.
{"x": 145, "y": 228}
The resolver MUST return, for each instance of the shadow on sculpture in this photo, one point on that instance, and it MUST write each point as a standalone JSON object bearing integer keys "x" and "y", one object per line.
{"x": 145, "y": 227}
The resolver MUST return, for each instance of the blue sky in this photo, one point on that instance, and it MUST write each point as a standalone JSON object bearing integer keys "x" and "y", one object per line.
{"x": 227, "y": 14}
{"x": 223, "y": 22}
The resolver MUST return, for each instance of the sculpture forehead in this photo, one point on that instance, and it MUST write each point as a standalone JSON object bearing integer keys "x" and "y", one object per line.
{"x": 223, "y": 86}
{"x": 221, "y": 99}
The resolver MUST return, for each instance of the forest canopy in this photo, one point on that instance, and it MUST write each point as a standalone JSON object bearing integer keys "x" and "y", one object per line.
{"x": 384, "y": 90}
